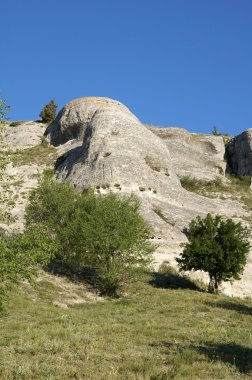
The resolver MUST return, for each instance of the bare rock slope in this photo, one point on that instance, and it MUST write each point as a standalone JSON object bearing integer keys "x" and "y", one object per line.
{"x": 105, "y": 146}
{"x": 18, "y": 178}
{"x": 195, "y": 155}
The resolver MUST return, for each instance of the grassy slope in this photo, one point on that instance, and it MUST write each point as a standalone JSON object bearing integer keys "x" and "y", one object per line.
{"x": 154, "y": 333}
{"x": 163, "y": 332}
{"x": 236, "y": 189}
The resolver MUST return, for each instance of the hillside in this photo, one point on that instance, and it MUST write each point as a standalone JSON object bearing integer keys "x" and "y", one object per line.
{"x": 119, "y": 154}
{"x": 164, "y": 327}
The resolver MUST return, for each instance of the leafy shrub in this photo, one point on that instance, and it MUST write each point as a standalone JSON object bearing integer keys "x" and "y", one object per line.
{"x": 109, "y": 234}
{"x": 48, "y": 113}
{"x": 53, "y": 205}
{"x": 216, "y": 246}
{"x": 20, "y": 255}
{"x": 103, "y": 232}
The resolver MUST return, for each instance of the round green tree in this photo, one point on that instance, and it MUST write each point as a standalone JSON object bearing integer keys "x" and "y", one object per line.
{"x": 109, "y": 234}
{"x": 105, "y": 233}
{"x": 216, "y": 246}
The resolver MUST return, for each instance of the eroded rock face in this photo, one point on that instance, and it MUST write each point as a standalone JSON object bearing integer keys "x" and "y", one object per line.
{"x": 195, "y": 155}
{"x": 18, "y": 180}
{"x": 240, "y": 154}
{"x": 25, "y": 135}
{"x": 73, "y": 119}
{"x": 118, "y": 152}
{"x": 113, "y": 151}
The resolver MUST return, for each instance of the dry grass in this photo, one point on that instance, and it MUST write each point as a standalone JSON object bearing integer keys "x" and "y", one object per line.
{"x": 235, "y": 189}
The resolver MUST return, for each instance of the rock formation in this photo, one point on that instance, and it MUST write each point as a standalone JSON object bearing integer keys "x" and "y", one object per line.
{"x": 24, "y": 135}
{"x": 75, "y": 116}
{"x": 18, "y": 179}
{"x": 239, "y": 154}
{"x": 100, "y": 143}
{"x": 112, "y": 151}
{"x": 195, "y": 155}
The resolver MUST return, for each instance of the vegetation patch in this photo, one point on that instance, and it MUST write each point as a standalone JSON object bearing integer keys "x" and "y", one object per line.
{"x": 236, "y": 188}
{"x": 159, "y": 212}
{"x": 16, "y": 123}
{"x": 104, "y": 233}
{"x": 169, "y": 331}
{"x": 40, "y": 154}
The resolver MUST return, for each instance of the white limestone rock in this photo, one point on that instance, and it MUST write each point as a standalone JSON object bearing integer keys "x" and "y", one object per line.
{"x": 113, "y": 151}
{"x": 195, "y": 155}
{"x": 25, "y": 135}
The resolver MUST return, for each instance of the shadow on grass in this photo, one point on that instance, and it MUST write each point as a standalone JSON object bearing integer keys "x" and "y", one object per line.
{"x": 86, "y": 275}
{"x": 229, "y": 353}
{"x": 229, "y": 305}
{"x": 168, "y": 278}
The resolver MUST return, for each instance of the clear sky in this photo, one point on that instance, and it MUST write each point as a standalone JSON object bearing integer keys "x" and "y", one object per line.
{"x": 185, "y": 63}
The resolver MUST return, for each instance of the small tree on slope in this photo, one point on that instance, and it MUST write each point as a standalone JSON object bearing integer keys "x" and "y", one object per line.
{"x": 216, "y": 246}
{"x": 3, "y": 110}
{"x": 48, "y": 113}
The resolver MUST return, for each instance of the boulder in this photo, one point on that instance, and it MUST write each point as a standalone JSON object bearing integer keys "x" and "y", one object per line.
{"x": 195, "y": 155}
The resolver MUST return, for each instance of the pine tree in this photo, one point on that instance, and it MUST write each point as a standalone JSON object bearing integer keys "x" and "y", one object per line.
{"x": 48, "y": 113}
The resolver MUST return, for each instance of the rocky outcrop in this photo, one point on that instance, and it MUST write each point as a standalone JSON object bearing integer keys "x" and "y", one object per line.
{"x": 239, "y": 154}
{"x": 24, "y": 135}
{"x": 75, "y": 116}
{"x": 113, "y": 151}
{"x": 195, "y": 155}
{"x": 119, "y": 152}
{"x": 18, "y": 180}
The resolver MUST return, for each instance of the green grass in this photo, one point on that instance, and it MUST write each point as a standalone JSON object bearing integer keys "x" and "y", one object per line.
{"x": 40, "y": 154}
{"x": 161, "y": 329}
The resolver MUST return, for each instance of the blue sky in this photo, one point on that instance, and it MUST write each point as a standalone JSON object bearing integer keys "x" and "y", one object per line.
{"x": 185, "y": 63}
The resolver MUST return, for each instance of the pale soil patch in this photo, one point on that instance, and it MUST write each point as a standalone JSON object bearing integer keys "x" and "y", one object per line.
{"x": 61, "y": 291}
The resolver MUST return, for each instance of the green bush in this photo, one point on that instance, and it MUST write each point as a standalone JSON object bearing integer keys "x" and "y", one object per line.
{"x": 20, "y": 255}
{"x": 48, "y": 113}
{"x": 53, "y": 204}
{"x": 216, "y": 246}
{"x": 106, "y": 233}
{"x": 109, "y": 234}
